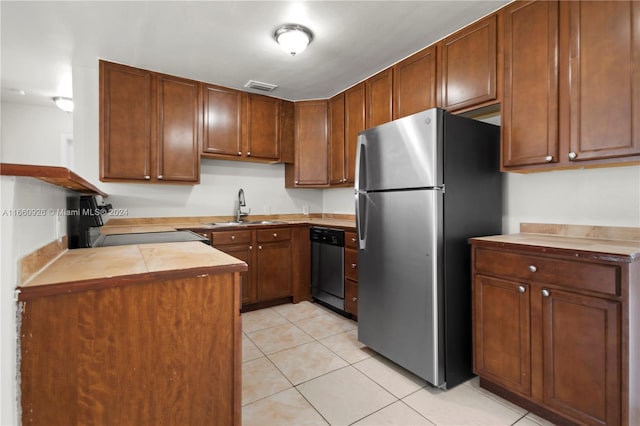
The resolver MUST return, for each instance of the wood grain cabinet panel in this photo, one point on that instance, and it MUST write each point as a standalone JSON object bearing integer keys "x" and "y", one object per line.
{"x": 379, "y": 90}
{"x": 603, "y": 69}
{"x": 337, "y": 147}
{"x": 263, "y": 128}
{"x": 542, "y": 340}
{"x": 126, "y": 122}
{"x": 351, "y": 273}
{"x": 311, "y": 167}
{"x": 150, "y": 126}
{"x": 414, "y": 83}
{"x": 467, "y": 61}
{"x": 223, "y": 117}
{"x": 354, "y": 123}
{"x": 530, "y": 105}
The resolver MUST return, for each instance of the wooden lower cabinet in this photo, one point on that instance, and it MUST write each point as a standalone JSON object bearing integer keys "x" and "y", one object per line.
{"x": 351, "y": 273}
{"x": 269, "y": 254}
{"x": 555, "y": 332}
{"x": 142, "y": 353}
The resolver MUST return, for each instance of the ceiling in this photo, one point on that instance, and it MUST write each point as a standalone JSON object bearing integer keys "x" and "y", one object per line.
{"x": 221, "y": 42}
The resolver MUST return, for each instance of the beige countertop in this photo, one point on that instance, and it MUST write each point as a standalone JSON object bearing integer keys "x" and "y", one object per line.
{"x": 606, "y": 241}
{"x": 92, "y": 268}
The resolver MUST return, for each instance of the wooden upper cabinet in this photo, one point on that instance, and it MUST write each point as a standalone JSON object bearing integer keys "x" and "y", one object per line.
{"x": 530, "y": 104}
{"x": 287, "y": 132}
{"x": 602, "y": 64}
{"x": 379, "y": 90}
{"x": 222, "y": 121}
{"x": 468, "y": 66}
{"x": 179, "y": 129}
{"x": 126, "y": 122}
{"x": 150, "y": 126}
{"x": 354, "y": 122}
{"x": 336, "y": 140}
{"x": 414, "y": 83}
{"x": 263, "y": 127}
{"x": 311, "y": 164}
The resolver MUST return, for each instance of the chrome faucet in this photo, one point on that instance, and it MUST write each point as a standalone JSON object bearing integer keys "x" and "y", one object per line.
{"x": 241, "y": 203}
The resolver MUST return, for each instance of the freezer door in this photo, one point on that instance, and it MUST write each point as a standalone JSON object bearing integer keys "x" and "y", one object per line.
{"x": 401, "y": 154}
{"x": 399, "y": 302}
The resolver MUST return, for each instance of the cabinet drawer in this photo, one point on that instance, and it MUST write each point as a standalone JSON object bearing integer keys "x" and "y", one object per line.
{"x": 277, "y": 234}
{"x": 350, "y": 240}
{"x": 601, "y": 278}
{"x": 351, "y": 264}
{"x": 230, "y": 237}
{"x": 351, "y": 297}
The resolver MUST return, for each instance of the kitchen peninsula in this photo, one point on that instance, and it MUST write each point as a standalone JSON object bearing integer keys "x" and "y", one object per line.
{"x": 141, "y": 334}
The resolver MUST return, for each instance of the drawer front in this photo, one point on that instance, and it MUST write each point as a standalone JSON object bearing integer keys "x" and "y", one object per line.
{"x": 230, "y": 237}
{"x": 351, "y": 264}
{"x": 351, "y": 297}
{"x": 596, "y": 277}
{"x": 350, "y": 240}
{"x": 276, "y": 234}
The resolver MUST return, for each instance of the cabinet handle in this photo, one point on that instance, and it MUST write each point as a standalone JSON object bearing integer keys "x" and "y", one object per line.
{"x": 233, "y": 238}
{"x": 354, "y": 265}
{"x": 239, "y": 152}
{"x": 275, "y": 235}
{"x": 160, "y": 177}
{"x": 522, "y": 289}
{"x": 532, "y": 268}
{"x": 548, "y": 158}
{"x": 354, "y": 299}
{"x": 545, "y": 293}
{"x": 147, "y": 177}
{"x": 572, "y": 155}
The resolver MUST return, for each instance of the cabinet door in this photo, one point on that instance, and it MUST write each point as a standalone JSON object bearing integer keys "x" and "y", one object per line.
{"x": 351, "y": 297}
{"x": 530, "y": 104}
{"x": 604, "y": 75}
{"x": 379, "y": 90}
{"x": 263, "y": 127}
{"x": 501, "y": 333}
{"x": 311, "y": 143}
{"x": 126, "y": 112}
{"x": 244, "y": 252}
{"x": 468, "y": 62}
{"x": 581, "y": 349}
{"x": 274, "y": 270}
{"x": 179, "y": 130}
{"x": 222, "y": 121}
{"x": 354, "y": 122}
{"x": 336, "y": 139}
{"x": 414, "y": 83}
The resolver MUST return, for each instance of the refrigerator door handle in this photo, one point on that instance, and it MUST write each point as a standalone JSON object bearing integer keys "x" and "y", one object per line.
{"x": 361, "y": 219}
{"x": 361, "y": 153}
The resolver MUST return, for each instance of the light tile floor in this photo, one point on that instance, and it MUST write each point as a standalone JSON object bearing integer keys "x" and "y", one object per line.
{"x": 303, "y": 365}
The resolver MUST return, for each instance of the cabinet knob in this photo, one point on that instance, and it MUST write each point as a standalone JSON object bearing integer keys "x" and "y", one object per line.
{"x": 354, "y": 265}
{"x": 160, "y": 177}
{"x": 259, "y": 247}
{"x": 249, "y": 154}
{"x": 344, "y": 179}
{"x": 353, "y": 239}
{"x": 239, "y": 152}
{"x": 354, "y": 299}
{"x": 250, "y": 247}
{"x": 147, "y": 177}
{"x": 545, "y": 293}
{"x": 532, "y": 268}
{"x": 296, "y": 182}
{"x": 233, "y": 238}
{"x": 275, "y": 235}
{"x": 548, "y": 158}
{"x": 521, "y": 289}
{"x": 572, "y": 155}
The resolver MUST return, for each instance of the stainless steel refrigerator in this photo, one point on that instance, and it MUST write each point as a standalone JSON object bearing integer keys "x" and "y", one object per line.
{"x": 424, "y": 184}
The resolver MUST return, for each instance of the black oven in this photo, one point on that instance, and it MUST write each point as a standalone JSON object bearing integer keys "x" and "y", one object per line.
{"x": 84, "y": 219}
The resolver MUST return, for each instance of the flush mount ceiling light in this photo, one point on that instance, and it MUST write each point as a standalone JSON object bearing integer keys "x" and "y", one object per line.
{"x": 65, "y": 104}
{"x": 293, "y": 38}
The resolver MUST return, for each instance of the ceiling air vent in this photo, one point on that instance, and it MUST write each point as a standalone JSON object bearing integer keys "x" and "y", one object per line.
{"x": 258, "y": 85}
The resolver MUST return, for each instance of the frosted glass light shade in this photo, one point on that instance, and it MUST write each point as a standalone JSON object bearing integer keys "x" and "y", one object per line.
{"x": 293, "y": 38}
{"x": 65, "y": 104}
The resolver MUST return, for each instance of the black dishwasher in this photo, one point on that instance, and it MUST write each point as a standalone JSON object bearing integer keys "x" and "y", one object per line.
{"x": 327, "y": 266}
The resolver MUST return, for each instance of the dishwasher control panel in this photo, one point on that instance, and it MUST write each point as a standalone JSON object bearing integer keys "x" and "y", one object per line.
{"x": 334, "y": 237}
